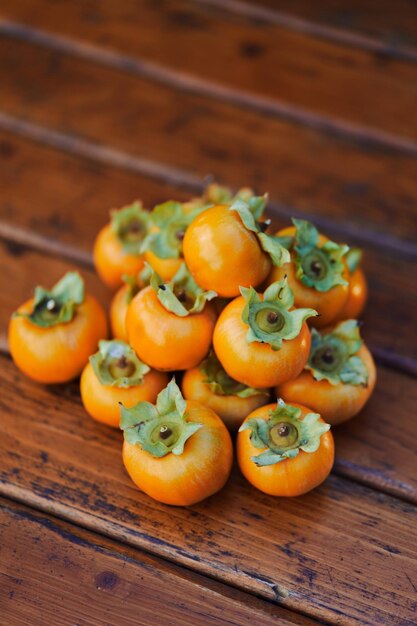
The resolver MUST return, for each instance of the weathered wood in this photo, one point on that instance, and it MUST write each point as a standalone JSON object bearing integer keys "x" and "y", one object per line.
{"x": 51, "y": 212}
{"x": 307, "y": 77}
{"x": 347, "y": 181}
{"x": 344, "y": 553}
{"x": 53, "y": 572}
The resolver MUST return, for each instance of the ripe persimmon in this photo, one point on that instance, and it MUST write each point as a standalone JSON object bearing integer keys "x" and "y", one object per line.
{"x": 113, "y": 375}
{"x": 177, "y": 452}
{"x": 210, "y": 385}
{"x": 117, "y": 248}
{"x": 340, "y": 374}
{"x": 123, "y": 297}
{"x": 358, "y": 287}
{"x": 225, "y": 247}
{"x": 170, "y": 325}
{"x": 262, "y": 339}
{"x": 52, "y": 335}
{"x": 285, "y": 449}
{"x": 317, "y": 272}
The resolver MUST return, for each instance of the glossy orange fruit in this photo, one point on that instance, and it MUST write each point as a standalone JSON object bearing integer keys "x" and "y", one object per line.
{"x": 112, "y": 261}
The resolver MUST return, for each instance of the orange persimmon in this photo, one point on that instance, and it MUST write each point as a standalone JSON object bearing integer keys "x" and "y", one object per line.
{"x": 117, "y": 248}
{"x": 177, "y": 452}
{"x": 285, "y": 450}
{"x": 52, "y": 335}
{"x": 358, "y": 287}
{"x": 115, "y": 375}
{"x": 261, "y": 339}
{"x": 317, "y": 273}
{"x": 340, "y": 375}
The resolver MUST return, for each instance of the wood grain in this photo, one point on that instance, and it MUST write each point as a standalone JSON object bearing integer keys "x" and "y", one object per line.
{"x": 52, "y": 213}
{"x": 344, "y": 553}
{"x": 261, "y": 58}
{"x": 305, "y": 170}
{"x": 52, "y": 572}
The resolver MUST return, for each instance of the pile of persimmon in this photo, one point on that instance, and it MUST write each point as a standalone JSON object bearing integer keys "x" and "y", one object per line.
{"x": 261, "y": 330}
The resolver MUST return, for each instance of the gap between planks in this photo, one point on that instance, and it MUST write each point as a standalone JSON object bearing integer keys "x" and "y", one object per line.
{"x": 207, "y": 88}
{"x": 182, "y": 179}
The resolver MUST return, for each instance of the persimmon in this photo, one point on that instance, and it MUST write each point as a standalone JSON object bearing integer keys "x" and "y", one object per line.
{"x": 225, "y": 247}
{"x": 52, "y": 335}
{"x": 358, "y": 287}
{"x": 262, "y": 339}
{"x": 210, "y": 385}
{"x": 123, "y": 297}
{"x": 285, "y": 449}
{"x": 170, "y": 325}
{"x": 114, "y": 374}
{"x": 117, "y": 248}
{"x": 340, "y": 374}
{"x": 317, "y": 272}
{"x": 177, "y": 452}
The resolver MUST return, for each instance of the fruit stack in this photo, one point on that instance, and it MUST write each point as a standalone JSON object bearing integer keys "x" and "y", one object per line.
{"x": 260, "y": 330}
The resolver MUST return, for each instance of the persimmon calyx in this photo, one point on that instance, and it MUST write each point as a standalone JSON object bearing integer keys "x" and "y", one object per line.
{"x": 58, "y": 305}
{"x": 353, "y": 259}
{"x": 221, "y": 384}
{"x": 333, "y": 355}
{"x": 181, "y": 296}
{"x": 270, "y": 318}
{"x": 219, "y": 194}
{"x": 116, "y": 364}
{"x": 284, "y": 434}
{"x": 130, "y": 225}
{"x": 318, "y": 267}
{"x": 250, "y": 211}
{"x": 170, "y": 221}
{"x": 159, "y": 429}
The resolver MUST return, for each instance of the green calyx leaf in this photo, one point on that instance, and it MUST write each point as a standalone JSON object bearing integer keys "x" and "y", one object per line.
{"x": 159, "y": 429}
{"x": 318, "y": 267}
{"x": 250, "y": 211}
{"x": 59, "y": 305}
{"x": 333, "y": 355}
{"x": 117, "y": 365}
{"x": 181, "y": 296}
{"x": 136, "y": 283}
{"x": 353, "y": 259}
{"x": 171, "y": 221}
{"x": 218, "y": 194}
{"x": 284, "y": 434}
{"x": 270, "y": 319}
{"x": 221, "y": 384}
{"x": 131, "y": 224}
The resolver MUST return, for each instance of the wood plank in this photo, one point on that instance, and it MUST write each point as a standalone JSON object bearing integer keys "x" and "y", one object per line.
{"x": 363, "y": 444}
{"x": 348, "y": 181}
{"x": 344, "y": 553}
{"x": 53, "y": 572}
{"x": 41, "y": 207}
{"x": 256, "y": 56}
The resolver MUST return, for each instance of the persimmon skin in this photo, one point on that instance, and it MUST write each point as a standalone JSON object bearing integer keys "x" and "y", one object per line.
{"x": 222, "y": 254}
{"x": 102, "y": 401}
{"x": 57, "y": 354}
{"x": 231, "y": 409}
{"x": 199, "y": 472}
{"x": 290, "y": 477}
{"x": 329, "y": 304}
{"x": 335, "y": 403}
{"x": 256, "y": 364}
{"x": 357, "y": 296}
{"x": 165, "y": 268}
{"x": 162, "y": 339}
{"x": 111, "y": 261}
{"x": 118, "y": 309}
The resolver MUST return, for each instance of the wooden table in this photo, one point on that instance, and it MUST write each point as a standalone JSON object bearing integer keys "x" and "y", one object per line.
{"x": 103, "y": 102}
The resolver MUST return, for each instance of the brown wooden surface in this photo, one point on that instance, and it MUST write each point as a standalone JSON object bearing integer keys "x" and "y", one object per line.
{"x": 263, "y": 59}
{"x": 361, "y": 444}
{"x": 54, "y": 573}
{"x": 302, "y": 168}
{"x": 54, "y": 213}
{"x": 343, "y": 553}
{"x": 317, "y": 105}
